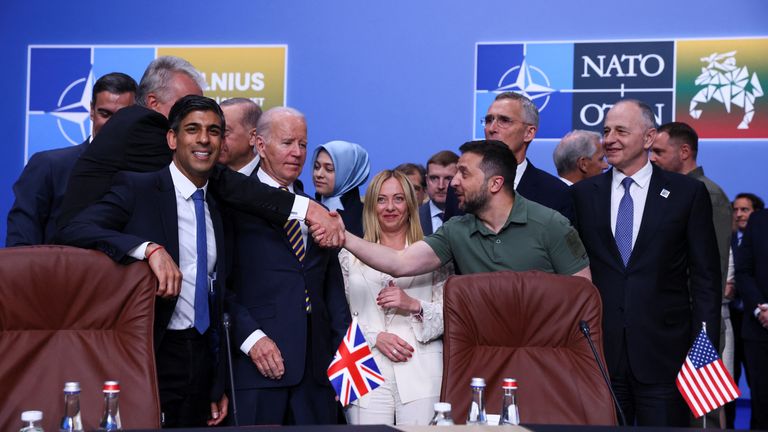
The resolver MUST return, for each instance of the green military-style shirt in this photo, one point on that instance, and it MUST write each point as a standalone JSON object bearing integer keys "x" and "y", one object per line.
{"x": 534, "y": 237}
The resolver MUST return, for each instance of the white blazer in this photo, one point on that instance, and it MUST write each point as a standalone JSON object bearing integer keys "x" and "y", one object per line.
{"x": 421, "y": 375}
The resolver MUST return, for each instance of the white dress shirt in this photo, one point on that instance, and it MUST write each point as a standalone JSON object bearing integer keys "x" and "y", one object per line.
{"x": 248, "y": 168}
{"x": 437, "y": 216}
{"x": 184, "y": 314}
{"x": 520, "y": 171}
{"x": 638, "y": 190}
{"x": 254, "y": 337}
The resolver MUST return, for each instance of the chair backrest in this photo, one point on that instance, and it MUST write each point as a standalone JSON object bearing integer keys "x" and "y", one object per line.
{"x": 525, "y": 325}
{"x": 69, "y": 314}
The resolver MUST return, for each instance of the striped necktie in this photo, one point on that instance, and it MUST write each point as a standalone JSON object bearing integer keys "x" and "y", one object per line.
{"x": 293, "y": 231}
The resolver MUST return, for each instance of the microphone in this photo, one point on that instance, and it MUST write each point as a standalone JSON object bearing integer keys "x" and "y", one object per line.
{"x": 227, "y": 324}
{"x": 584, "y": 327}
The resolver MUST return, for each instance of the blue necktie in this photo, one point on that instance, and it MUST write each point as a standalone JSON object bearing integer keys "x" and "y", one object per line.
{"x": 202, "y": 318}
{"x": 624, "y": 222}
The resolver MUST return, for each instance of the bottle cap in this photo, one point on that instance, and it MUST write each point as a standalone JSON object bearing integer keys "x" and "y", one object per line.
{"x": 509, "y": 383}
{"x": 478, "y": 382}
{"x": 111, "y": 387}
{"x": 31, "y": 416}
{"x": 442, "y": 406}
{"x": 72, "y": 387}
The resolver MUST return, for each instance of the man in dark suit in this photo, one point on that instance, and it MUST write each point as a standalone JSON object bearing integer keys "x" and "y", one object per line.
{"x": 653, "y": 256}
{"x": 167, "y": 218}
{"x": 289, "y": 307}
{"x": 135, "y": 140}
{"x": 40, "y": 188}
{"x": 752, "y": 283}
{"x": 441, "y": 168}
{"x": 513, "y": 119}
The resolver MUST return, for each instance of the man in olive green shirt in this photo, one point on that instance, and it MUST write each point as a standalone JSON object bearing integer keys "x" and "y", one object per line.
{"x": 500, "y": 230}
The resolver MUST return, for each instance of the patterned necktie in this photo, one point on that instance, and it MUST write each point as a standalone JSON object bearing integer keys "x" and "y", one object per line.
{"x": 293, "y": 231}
{"x": 202, "y": 317}
{"x": 624, "y": 222}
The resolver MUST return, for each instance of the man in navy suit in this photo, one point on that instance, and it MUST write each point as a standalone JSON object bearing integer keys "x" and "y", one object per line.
{"x": 654, "y": 258}
{"x": 441, "y": 168}
{"x": 513, "y": 119}
{"x": 168, "y": 219}
{"x": 40, "y": 188}
{"x": 135, "y": 140}
{"x": 752, "y": 283}
{"x": 289, "y": 308}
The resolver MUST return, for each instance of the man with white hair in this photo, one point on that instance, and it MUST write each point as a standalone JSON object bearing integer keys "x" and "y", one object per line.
{"x": 579, "y": 156}
{"x": 289, "y": 308}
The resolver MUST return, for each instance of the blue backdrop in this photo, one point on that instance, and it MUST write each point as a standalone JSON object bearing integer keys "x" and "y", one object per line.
{"x": 396, "y": 76}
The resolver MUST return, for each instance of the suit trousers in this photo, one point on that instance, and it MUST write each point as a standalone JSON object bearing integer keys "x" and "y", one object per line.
{"x": 306, "y": 403}
{"x": 756, "y": 356}
{"x": 644, "y": 404}
{"x": 184, "y": 365}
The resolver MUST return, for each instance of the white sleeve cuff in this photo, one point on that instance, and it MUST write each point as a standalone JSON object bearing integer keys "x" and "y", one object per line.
{"x": 139, "y": 251}
{"x": 299, "y": 209}
{"x": 251, "y": 340}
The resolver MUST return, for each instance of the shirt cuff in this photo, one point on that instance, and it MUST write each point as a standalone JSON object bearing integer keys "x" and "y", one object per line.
{"x": 756, "y": 312}
{"x": 251, "y": 340}
{"x": 300, "y": 208}
{"x": 139, "y": 251}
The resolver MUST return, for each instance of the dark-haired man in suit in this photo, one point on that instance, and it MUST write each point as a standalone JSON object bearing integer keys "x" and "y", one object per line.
{"x": 288, "y": 306}
{"x": 168, "y": 219}
{"x": 654, "y": 258}
{"x": 441, "y": 168}
{"x": 752, "y": 283}
{"x": 40, "y": 188}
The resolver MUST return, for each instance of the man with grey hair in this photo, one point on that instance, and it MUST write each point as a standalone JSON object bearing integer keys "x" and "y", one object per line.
{"x": 239, "y": 150}
{"x": 289, "y": 308}
{"x": 654, "y": 259}
{"x": 579, "y": 156}
{"x": 514, "y": 119}
{"x": 135, "y": 140}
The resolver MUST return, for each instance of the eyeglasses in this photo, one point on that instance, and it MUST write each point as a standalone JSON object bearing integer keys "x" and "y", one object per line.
{"x": 503, "y": 121}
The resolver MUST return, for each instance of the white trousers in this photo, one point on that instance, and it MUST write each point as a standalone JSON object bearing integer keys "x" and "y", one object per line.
{"x": 384, "y": 407}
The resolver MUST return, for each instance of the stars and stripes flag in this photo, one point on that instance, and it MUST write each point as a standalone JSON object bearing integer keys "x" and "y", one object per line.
{"x": 353, "y": 371}
{"x": 703, "y": 380}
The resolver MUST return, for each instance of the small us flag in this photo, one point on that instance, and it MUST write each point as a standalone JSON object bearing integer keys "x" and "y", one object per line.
{"x": 353, "y": 371}
{"x": 703, "y": 380}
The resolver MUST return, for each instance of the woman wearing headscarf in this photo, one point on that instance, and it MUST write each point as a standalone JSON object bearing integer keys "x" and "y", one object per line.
{"x": 339, "y": 168}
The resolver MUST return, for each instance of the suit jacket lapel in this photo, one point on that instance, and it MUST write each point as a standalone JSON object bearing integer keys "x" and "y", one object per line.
{"x": 653, "y": 213}
{"x": 602, "y": 210}
{"x": 170, "y": 219}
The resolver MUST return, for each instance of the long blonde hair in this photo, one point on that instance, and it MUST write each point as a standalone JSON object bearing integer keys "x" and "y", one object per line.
{"x": 371, "y": 224}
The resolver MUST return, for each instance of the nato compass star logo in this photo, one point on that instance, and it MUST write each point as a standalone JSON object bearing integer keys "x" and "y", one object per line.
{"x": 528, "y": 81}
{"x": 77, "y": 112}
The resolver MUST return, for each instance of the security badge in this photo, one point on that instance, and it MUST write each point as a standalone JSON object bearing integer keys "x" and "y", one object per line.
{"x": 664, "y": 193}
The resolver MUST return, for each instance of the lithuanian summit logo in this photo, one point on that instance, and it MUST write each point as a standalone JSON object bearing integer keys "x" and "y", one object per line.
{"x": 60, "y": 81}
{"x": 714, "y": 85}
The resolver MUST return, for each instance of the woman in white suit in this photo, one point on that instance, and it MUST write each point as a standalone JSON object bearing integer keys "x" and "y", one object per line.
{"x": 402, "y": 318}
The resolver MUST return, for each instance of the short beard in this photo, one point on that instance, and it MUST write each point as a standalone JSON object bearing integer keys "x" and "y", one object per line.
{"x": 476, "y": 203}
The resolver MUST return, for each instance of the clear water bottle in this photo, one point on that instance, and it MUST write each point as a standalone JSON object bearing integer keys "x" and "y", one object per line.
{"x": 477, "y": 407}
{"x": 71, "y": 421}
{"x": 442, "y": 415}
{"x": 509, "y": 412}
{"x": 110, "y": 420}
{"x": 31, "y": 420}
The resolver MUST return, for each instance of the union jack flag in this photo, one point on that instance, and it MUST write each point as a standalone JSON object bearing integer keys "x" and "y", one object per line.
{"x": 703, "y": 380}
{"x": 353, "y": 371}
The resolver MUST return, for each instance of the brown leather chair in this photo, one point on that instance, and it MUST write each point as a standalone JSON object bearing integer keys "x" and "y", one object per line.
{"x": 525, "y": 326}
{"x": 69, "y": 314}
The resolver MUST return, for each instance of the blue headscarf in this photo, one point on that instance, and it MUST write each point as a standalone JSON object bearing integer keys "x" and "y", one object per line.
{"x": 350, "y": 161}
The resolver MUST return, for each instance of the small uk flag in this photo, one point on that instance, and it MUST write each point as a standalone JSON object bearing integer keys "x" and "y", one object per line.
{"x": 353, "y": 371}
